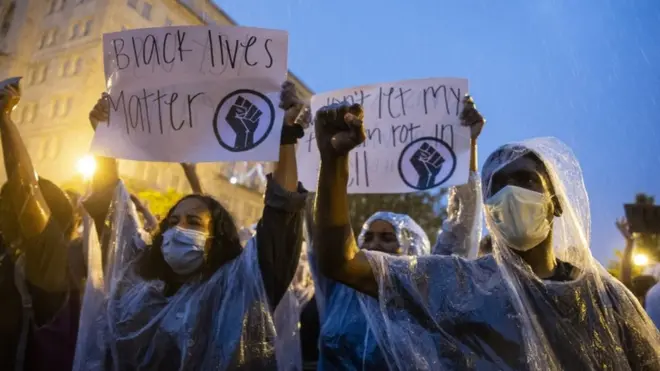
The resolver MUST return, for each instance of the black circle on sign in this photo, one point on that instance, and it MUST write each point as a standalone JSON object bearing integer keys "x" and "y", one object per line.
{"x": 426, "y": 139}
{"x": 224, "y": 100}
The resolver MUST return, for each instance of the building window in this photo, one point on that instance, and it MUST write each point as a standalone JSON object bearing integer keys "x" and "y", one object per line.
{"x": 88, "y": 27}
{"x": 61, "y": 107}
{"x": 64, "y": 71}
{"x": 168, "y": 22}
{"x": 6, "y": 20}
{"x": 78, "y": 66}
{"x": 132, "y": 3}
{"x": 56, "y": 6}
{"x": 48, "y": 38}
{"x": 146, "y": 11}
{"x": 75, "y": 31}
{"x": 43, "y": 73}
{"x": 53, "y": 149}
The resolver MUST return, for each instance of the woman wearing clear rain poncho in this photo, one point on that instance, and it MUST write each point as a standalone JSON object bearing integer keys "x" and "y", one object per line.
{"x": 540, "y": 301}
{"x": 345, "y": 341}
{"x": 194, "y": 299}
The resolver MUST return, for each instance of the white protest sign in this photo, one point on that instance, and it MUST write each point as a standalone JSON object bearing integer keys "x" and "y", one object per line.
{"x": 193, "y": 94}
{"x": 415, "y": 141}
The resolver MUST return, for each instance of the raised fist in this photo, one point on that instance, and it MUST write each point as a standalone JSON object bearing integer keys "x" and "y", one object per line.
{"x": 427, "y": 162}
{"x": 338, "y": 128}
{"x": 10, "y": 95}
{"x": 295, "y": 110}
{"x": 243, "y": 118}
{"x": 471, "y": 118}
{"x": 100, "y": 112}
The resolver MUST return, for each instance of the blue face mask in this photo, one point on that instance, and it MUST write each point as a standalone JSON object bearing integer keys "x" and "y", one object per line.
{"x": 183, "y": 249}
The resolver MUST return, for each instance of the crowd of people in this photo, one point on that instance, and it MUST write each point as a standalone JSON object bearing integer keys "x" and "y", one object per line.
{"x": 96, "y": 282}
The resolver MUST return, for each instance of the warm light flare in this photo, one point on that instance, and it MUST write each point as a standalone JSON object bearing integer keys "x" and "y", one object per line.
{"x": 640, "y": 259}
{"x": 86, "y": 166}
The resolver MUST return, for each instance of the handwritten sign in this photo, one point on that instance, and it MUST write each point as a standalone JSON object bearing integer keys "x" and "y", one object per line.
{"x": 193, "y": 94}
{"x": 414, "y": 138}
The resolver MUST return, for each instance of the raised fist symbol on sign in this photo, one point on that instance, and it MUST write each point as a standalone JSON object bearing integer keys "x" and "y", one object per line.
{"x": 243, "y": 118}
{"x": 427, "y": 162}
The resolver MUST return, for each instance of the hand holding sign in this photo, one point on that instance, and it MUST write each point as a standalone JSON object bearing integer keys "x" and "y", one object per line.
{"x": 339, "y": 129}
{"x": 472, "y": 118}
{"x": 243, "y": 118}
{"x": 427, "y": 161}
{"x": 100, "y": 111}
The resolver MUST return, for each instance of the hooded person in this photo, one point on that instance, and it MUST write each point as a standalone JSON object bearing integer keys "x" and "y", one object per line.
{"x": 345, "y": 341}
{"x": 40, "y": 289}
{"x": 194, "y": 298}
{"x": 540, "y": 301}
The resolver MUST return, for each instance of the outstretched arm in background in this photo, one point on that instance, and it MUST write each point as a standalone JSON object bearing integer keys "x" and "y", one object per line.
{"x": 338, "y": 130}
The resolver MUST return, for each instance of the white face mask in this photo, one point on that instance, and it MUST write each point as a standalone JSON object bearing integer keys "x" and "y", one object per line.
{"x": 183, "y": 249}
{"x": 520, "y": 216}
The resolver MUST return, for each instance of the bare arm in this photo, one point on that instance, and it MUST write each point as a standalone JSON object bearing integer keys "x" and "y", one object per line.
{"x": 334, "y": 244}
{"x": 32, "y": 212}
{"x": 106, "y": 176}
{"x": 193, "y": 179}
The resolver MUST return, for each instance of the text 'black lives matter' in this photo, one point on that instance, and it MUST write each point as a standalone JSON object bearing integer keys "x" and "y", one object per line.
{"x": 249, "y": 114}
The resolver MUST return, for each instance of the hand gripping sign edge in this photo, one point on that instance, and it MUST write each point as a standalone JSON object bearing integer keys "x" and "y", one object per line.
{"x": 237, "y": 93}
{"x": 435, "y": 184}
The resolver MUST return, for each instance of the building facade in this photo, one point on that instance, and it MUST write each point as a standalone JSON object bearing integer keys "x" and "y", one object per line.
{"x": 56, "y": 46}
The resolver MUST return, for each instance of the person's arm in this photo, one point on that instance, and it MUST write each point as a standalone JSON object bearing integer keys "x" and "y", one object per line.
{"x": 25, "y": 195}
{"x": 150, "y": 221}
{"x": 193, "y": 179}
{"x": 279, "y": 232}
{"x": 106, "y": 175}
{"x": 338, "y": 130}
{"x": 461, "y": 231}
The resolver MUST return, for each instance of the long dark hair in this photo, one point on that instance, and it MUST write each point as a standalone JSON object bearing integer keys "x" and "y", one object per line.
{"x": 225, "y": 243}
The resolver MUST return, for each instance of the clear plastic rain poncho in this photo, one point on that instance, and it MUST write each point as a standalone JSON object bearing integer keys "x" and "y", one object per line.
{"x": 287, "y": 313}
{"x": 345, "y": 343}
{"x": 494, "y": 313}
{"x": 461, "y": 230}
{"x": 127, "y": 323}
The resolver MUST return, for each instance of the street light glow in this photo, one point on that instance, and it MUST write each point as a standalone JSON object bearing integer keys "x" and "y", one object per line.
{"x": 640, "y": 259}
{"x": 86, "y": 166}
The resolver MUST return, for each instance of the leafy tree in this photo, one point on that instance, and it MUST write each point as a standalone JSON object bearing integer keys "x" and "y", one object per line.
{"x": 426, "y": 208}
{"x": 158, "y": 202}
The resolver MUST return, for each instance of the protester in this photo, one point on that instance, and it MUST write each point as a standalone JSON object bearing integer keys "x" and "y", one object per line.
{"x": 194, "y": 298}
{"x": 40, "y": 297}
{"x": 540, "y": 301}
{"x": 345, "y": 342}
{"x": 461, "y": 230}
